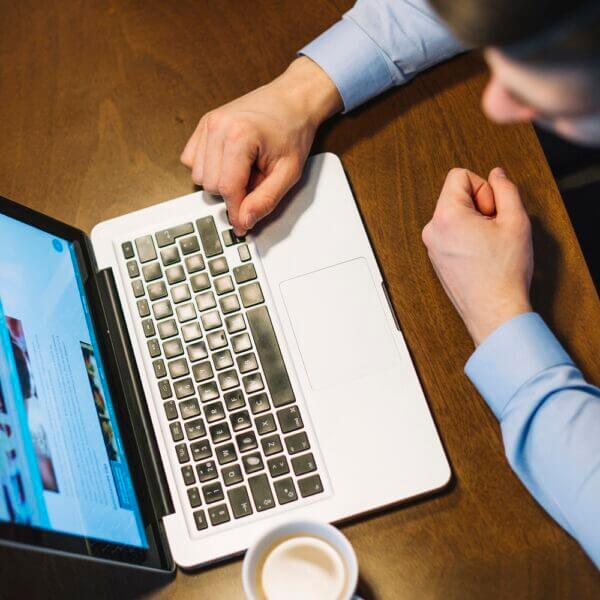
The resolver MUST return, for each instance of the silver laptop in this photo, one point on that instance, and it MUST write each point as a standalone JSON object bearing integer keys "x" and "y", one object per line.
{"x": 270, "y": 377}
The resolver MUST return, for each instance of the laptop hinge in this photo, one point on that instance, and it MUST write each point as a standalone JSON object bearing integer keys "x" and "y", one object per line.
{"x": 124, "y": 367}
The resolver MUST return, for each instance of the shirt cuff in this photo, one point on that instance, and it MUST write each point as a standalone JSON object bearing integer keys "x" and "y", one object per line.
{"x": 512, "y": 355}
{"x": 353, "y": 61}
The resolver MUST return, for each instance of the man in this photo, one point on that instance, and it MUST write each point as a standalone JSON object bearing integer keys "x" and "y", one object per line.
{"x": 544, "y": 57}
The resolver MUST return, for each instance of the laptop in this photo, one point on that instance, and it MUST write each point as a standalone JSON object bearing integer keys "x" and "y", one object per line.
{"x": 169, "y": 391}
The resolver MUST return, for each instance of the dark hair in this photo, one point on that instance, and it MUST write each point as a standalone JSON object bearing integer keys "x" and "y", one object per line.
{"x": 541, "y": 31}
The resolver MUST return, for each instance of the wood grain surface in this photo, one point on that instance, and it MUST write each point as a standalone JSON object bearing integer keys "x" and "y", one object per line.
{"x": 97, "y": 99}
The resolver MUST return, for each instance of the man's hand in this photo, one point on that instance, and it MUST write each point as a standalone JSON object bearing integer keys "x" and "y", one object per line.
{"x": 479, "y": 241}
{"x": 252, "y": 150}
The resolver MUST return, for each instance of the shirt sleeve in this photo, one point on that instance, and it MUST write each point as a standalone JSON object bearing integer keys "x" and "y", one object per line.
{"x": 550, "y": 421}
{"x": 379, "y": 44}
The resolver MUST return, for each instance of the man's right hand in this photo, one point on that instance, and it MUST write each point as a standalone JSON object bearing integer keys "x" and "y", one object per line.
{"x": 252, "y": 150}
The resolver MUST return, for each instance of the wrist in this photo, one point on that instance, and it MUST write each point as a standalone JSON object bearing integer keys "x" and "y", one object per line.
{"x": 485, "y": 324}
{"x": 311, "y": 90}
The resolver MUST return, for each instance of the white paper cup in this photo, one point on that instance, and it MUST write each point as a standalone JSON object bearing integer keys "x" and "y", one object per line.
{"x": 266, "y": 546}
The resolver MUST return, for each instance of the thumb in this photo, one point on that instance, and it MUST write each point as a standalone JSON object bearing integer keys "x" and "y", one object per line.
{"x": 267, "y": 194}
{"x": 506, "y": 195}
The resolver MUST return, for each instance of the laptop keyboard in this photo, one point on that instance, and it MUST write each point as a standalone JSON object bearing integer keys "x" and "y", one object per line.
{"x": 237, "y": 432}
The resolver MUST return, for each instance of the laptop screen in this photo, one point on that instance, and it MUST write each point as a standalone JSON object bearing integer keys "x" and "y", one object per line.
{"x": 62, "y": 462}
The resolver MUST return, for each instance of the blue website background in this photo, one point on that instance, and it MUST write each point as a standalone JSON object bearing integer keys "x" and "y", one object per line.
{"x": 62, "y": 463}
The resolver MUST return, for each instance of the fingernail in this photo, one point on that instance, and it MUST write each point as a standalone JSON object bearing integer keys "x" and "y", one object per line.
{"x": 500, "y": 172}
{"x": 250, "y": 221}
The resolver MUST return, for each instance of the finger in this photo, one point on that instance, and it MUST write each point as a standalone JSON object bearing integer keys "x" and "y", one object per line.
{"x": 465, "y": 189}
{"x": 267, "y": 194}
{"x": 506, "y": 195}
{"x": 236, "y": 167}
{"x": 189, "y": 152}
{"x": 200, "y": 151}
{"x": 213, "y": 157}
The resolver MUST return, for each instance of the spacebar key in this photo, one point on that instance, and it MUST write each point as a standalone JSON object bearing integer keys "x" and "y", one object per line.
{"x": 270, "y": 356}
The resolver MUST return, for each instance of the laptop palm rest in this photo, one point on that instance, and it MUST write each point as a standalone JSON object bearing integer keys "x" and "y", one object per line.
{"x": 339, "y": 324}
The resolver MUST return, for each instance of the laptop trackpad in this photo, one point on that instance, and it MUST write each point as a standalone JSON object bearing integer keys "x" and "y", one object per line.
{"x": 339, "y": 324}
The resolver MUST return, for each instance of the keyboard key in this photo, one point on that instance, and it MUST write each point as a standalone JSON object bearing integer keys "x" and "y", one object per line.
{"x": 205, "y": 301}
{"x": 167, "y": 329}
{"x": 214, "y": 412}
{"x": 226, "y": 454}
{"x": 246, "y": 441}
{"x": 259, "y": 403}
{"x": 252, "y": 462}
{"x": 189, "y": 245}
{"x": 164, "y": 387}
{"x": 184, "y": 388}
{"x": 270, "y": 356}
{"x": 185, "y": 312}
{"x": 187, "y": 472}
{"x": 251, "y": 294}
{"x": 309, "y": 486}
{"x": 220, "y": 433}
{"x": 223, "y": 285}
{"x": 195, "y": 263}
{"x": 228, "y": 379}
{"x": 201, "y": 450}
{"x": 173, "y": 348}
{"x": 211, "y": 320}
{"x": 218, "y": 266}
{"x": 298, "y": 442}
{"x": 199, "y": 283}
{"x": 153, "y": 348}
{"x": 138, "y": 288}
{"x": 133, "y": 269}
{"x": 202, "y": 371}
{"x": 152, "y": 271}
{"x": 127, "y": 248}
{"x": 241, "y": 343}
{"x": 304, "y": 464}
{"x": 229, "y": 304}
{"x": 165, "y": 237}
{"x": 157, "y": 290}
{"x": 222, "y": 359}
{"x": 271, "y": 445}
{"x": 208, "y": 391}
{"x": 232, "y": 475}
{"x": 170, "y": 409}
{"x": 216, "y": 339}
{"x": 240, "y": 502}
{"x": 170, "y": 256}
{"x": 230, "y": 238}
{"x": 197, "y": 351}
{"x": 175, "y": 274}
{"x": 212, "y": 492}
{"x": 143, "y": 308}
{"x": 244, "y": 253}
{"x": 148, "y": 327}
{"x": 194, "y": 497}
{"x": 253, "y": 383}
{"x": 235, "y": 323}
{"x": 178, "y": 368}
{"x": 240, "y": 420}
{"x": 183, "y": 455}
{"x": 285, "y": 490}
{"x": 200, "y": 520}
{"x": 159, "y": 368}
{"x": 180, "y": 293}
{"x": 219, "y": 514}
{"x": 234, "y": 399}
{"x": 191, "y": 331}
{"x": 176, "y": 431}
{"x": 209, "y": 236}
{"x": 261, "y": 492}
{"x": 244, "y": 273}
{"x": 289, "y": 419}
{"x": 162, "y": 309}
{"x": 247, "y": 362}
{"x": 189, "y": 408}
{"x": 265, "y": 424}
{"x": 206, "y": 471}
{"x": 145, "y": 248}
{"x": 278, "y": 466}
{"x": 194, "y": 429}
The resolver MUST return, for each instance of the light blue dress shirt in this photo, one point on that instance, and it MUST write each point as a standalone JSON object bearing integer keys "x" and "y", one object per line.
{"x": 549, "y": 414}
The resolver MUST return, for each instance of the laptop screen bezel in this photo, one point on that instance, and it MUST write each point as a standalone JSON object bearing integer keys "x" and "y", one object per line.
{"x": 157, "y": 555}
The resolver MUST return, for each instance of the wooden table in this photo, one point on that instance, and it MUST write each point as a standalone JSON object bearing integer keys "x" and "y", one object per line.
{"x": 97, "y": 100}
